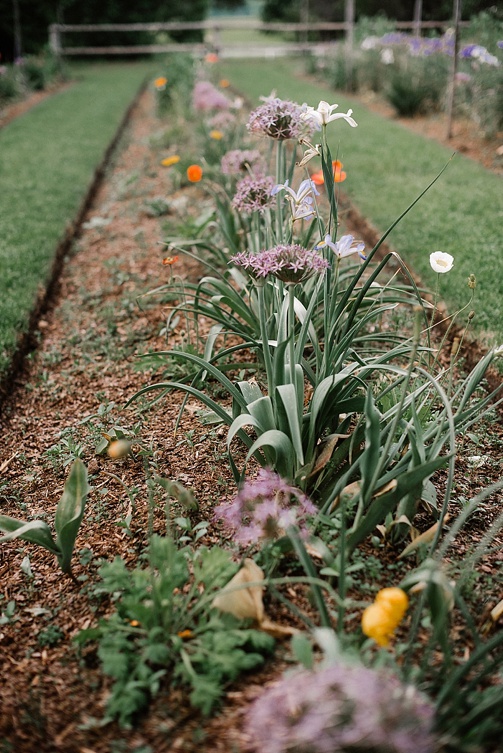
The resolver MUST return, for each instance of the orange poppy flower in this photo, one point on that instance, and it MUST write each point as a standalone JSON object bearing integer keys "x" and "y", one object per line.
{"x": 194, "y": 173}
{"x": 160, "y": 82}
{"x": 339, "y": 174}
{"x": 185, "y": 634}
{"x": 169, "y": 260}
{"x": 224, "y": 83}
{"x": 211, "y": 57}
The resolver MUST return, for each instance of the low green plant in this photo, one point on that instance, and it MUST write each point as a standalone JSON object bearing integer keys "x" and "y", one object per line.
{"x": 164, "y": 631}
{"x": 69, "y": 514}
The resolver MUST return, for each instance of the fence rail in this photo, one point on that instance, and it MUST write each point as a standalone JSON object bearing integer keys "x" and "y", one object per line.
{"x": 214, "y": 41}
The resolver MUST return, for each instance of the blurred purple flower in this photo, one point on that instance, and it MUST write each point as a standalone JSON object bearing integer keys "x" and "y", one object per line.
{"x": 338, "y": 709}
{"x": 289, "y": 263}
{"x": 222, "y": 120}
{"x": 241, "y": 160}
{"x": 253, "y": 194}
{"x": 265, "y": 508}
{"x": 279, "y": 119}
{"x": 205, "y": 97}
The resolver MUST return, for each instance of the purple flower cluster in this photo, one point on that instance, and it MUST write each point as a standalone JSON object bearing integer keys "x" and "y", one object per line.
{"x": 279, "y": 119}
{"x": 206, "y": 97}
{"x": 480, "y": 54}
{"x": 253, "y": 194}
{"x": 223, "y": 120}
{"x": 339, "y": 709}
{"x": 239, "y": 161}
{"x": 265, "y": 508}
{"x": 418, "y": 46}
{"x": 289, "y": 263}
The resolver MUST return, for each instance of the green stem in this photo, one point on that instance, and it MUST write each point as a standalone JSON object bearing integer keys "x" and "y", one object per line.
{"x": 265, "y": 342}
{"x": 310, "y": 570}
{"x": 291, "y": 329}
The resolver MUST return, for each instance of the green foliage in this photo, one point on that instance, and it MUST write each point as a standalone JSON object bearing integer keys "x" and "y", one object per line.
{"x": 163, "y": 629}
{"x": 69, "y": 514}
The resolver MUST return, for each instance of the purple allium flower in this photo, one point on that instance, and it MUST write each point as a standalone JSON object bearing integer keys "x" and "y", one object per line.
{"x": 338, "y": 709}
{"x": 207, "y": 97}
{"x": 289, "y": 263}
{"x": 253, "y": 194}
{"x": 279, "y": 119}
{"x": 222, "y": 120}
{"x": 265, "y": 508}
{"x": 241, "y": 160}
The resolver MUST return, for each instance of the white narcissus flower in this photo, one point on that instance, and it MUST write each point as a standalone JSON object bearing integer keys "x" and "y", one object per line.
{"x": 441, "y": 262}
{"x": 324, "y": 114}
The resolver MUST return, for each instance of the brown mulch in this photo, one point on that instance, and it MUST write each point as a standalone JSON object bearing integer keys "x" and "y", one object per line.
{"x": 89, "y": 338}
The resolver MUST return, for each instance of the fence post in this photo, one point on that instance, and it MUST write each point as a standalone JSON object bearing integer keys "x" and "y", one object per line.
{"x": 418, "y": 15}
{"x": 55, "y": 40}
{"x": 349, "y": 18}
{"x": 454, "y": 69}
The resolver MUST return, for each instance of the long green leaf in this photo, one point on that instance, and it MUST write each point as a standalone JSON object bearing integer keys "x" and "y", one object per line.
{"x": 70, "y": 512}
{"x": 281, "y": 446}
{"x": 36, "y": 532}
{"x": 288, "y": 395}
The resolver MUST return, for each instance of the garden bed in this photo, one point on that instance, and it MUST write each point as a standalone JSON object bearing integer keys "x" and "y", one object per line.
{"x": 70, "y": 392}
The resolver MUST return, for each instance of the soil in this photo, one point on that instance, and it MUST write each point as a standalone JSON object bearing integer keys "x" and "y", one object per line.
{"x": 71, "y": 390}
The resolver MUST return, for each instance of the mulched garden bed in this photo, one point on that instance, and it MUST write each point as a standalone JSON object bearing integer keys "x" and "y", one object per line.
{"x": 86, "y": 357}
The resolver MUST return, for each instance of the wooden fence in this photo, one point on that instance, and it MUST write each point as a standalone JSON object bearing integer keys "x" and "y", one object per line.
{"x": 213, "y": 37}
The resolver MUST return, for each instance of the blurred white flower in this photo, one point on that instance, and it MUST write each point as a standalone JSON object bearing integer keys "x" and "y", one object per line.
{"x": 387, "y": 56}
{"x": 324, "y": 114}
{"x": 441, "y": 262}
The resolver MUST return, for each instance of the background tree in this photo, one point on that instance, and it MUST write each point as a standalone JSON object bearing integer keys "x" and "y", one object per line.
{"x": 35, "y": 18}
{"x": 398, "y": 10}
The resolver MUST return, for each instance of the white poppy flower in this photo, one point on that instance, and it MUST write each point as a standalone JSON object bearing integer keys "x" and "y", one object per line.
{"x": 441, "y": 262}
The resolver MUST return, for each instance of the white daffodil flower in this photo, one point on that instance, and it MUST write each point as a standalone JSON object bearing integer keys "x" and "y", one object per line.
{"x": 441, "y": 262}
{"x": 324, "y": 114}
{"x": 301, "y": 201}
{"x": 345, "y": 246}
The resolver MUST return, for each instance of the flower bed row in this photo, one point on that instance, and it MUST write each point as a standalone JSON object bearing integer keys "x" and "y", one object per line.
{"x": 338, "y": 415}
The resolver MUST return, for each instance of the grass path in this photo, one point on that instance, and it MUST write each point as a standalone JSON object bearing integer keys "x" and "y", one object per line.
{"x": 388, "y": 166}
{"x": 48, "y": 158}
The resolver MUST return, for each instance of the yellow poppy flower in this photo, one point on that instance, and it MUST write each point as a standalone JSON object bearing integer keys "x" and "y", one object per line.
{"x": 160, "y": 82}
{"x": 217, "y": 135}
{"x": 168, "y": 161}
{"x": 380, "y": 619}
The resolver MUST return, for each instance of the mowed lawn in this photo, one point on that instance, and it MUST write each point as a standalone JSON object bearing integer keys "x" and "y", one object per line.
{"x": 48, "y": 158}
{"x": 387, "y": 167}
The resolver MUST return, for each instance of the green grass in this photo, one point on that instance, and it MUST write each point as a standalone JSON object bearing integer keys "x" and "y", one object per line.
{"x": 47, "y": 161}
{"x": 387, "y": 167}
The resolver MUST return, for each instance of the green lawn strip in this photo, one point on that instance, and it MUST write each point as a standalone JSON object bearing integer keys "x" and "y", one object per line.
{"x": 48, "y": 158}
{"x": 387, "y": 167}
